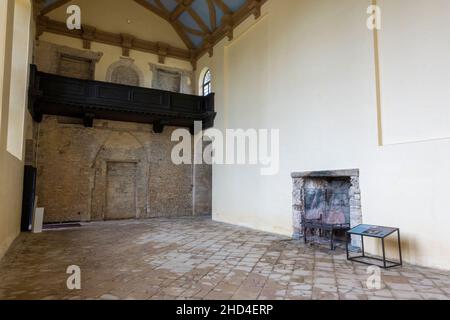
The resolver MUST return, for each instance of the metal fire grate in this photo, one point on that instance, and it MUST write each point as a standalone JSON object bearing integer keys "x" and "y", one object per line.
{"x": 327, "y": 210}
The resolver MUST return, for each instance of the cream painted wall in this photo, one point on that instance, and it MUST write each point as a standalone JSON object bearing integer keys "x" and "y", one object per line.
{"x": 307, "y": 68}
{"x": 415, "y": 69}
{"x": 112, "y": 54}
{"x": 113, "y": 16}
{"x": 3, "y": 21}
{"x": 19, "y": 77}
{"x": 11, "y": 169}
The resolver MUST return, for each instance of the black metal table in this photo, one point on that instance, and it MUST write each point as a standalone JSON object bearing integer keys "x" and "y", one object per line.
{"x": 378, "y": 232}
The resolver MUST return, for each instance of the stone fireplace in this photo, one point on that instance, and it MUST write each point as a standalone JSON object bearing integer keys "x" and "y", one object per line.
{"x": 333, "y": 197}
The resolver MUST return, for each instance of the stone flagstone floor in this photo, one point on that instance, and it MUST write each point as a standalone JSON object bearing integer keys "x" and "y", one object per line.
{"x": 195, "y": 258}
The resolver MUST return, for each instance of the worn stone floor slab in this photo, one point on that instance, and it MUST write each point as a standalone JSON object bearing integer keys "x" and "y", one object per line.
{"x": 196, "y": 258}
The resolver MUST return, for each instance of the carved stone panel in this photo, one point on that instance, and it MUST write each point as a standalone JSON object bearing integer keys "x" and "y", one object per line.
{"x": 172, "y": 79}
{"x": 125, "y": 75}
{"x": 168, "y": 81}
{"x": 74, "y": 67}
{"x": 125, "y": 72}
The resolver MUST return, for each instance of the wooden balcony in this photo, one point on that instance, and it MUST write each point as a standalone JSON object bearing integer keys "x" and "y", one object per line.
{"x": 87, "y": 99}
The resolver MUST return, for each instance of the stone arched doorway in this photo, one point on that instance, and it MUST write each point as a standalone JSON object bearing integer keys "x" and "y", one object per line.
{"x": 120, "y": 183}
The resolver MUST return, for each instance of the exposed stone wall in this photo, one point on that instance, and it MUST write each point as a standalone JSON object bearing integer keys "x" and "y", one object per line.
{"x": 113, "y": 170}
{"x": 203, "y": 187}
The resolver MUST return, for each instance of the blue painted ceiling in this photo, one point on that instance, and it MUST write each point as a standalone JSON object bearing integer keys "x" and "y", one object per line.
{"x": 49, "y": 2}
{"x": 193, "y": 31}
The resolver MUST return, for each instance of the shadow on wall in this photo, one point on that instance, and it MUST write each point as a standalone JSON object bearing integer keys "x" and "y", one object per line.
{"x": 409, "y": 246}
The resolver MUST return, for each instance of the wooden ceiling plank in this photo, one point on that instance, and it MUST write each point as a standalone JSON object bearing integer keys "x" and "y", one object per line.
{"x": 199, "y": 21}
{"x": 223, "y": 7}
{"x": 212, "y": 14}
{"x": 177, "y": 12}
{"x": 194, "y": 31}
{"x": 181, "y": 7}
{"x": 160, "y": 5}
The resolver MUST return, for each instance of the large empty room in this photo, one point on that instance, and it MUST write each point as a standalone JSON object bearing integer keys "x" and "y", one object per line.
{"x": 227, "y": 157}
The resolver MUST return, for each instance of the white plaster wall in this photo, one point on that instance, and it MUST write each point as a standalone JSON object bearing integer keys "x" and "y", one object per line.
{"x": 3, "y": 25}
{"x": 307, "y": 68}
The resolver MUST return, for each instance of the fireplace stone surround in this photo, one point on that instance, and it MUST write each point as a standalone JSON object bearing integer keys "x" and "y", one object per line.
{"x": 304, "y": 181}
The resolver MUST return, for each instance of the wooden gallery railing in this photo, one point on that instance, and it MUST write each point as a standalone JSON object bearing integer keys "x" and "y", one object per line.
{"x": 87, "y": 99}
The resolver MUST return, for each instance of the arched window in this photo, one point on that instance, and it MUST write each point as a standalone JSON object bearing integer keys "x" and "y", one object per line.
{"x": 206, "y": 83}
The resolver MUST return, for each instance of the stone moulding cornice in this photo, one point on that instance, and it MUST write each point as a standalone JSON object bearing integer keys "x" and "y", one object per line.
{"x": 324, "y": 174}
{"x": 89, "y": 55}
{"x": 89, "y": 33}
{"x": 182, "y": 72}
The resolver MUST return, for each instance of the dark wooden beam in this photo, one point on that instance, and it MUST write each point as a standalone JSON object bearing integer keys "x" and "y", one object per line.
{"x": 212, "y": 15}
{"x": 198, "y": 20}
{"x": 181, "y": 7}
{"x": 225, "y": 9}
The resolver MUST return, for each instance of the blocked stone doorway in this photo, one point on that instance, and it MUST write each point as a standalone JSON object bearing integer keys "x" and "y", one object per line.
{"x": 121, "y": 190}
{"x": 120, "y": 182}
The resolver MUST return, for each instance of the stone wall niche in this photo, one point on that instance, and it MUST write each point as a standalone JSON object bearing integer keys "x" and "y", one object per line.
{"x": 337, "y": 190}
